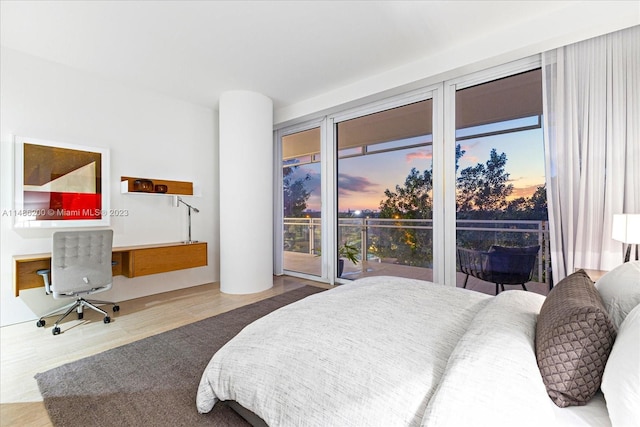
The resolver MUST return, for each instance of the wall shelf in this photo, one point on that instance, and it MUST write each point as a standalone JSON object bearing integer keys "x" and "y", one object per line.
{"x": 174, "y": 188}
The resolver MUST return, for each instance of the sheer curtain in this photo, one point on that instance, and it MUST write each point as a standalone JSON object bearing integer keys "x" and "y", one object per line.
{"x": 591, "y": 96}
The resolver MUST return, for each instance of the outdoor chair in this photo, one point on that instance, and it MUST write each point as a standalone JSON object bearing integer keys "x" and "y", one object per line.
{"x": 80, "y": 265}
{"x": 500, "y": 265}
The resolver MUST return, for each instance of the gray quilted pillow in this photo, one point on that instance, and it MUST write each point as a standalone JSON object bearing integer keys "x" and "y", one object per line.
{"x": 620, "y": 290}
{"x": 574, "y": 336}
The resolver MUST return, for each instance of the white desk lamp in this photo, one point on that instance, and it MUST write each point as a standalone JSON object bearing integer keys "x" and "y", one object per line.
{"x": 626, "y": 229}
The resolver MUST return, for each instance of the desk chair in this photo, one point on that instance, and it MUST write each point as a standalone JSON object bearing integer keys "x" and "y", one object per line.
{"x": 80, "y": 265}
{"x": 500, "y": 265}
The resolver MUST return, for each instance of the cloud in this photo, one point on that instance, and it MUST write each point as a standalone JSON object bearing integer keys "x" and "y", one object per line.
{"x": 468, "y": 157}
{"x": 355, "y": 184}
{"x": 469, "y": 146}
{"x": 420, "y": 154}
{"x": 473, "y": 160}
{"x": 525, "y": 192}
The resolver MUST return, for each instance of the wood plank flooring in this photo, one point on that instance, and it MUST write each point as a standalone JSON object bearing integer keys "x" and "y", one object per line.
{"x": 27, "y": 349}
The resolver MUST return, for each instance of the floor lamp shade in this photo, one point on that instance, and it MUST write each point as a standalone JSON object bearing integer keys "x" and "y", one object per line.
{"x": 626, "y": 229}
{"x": 246, "y": 192}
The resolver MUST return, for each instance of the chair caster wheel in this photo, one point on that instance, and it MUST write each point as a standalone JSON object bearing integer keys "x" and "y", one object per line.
{"x": 116, "y": 308}
{"x": 40, "y": 323}
{"x": 80, "y": 316}
{"x": 56, "y": 331}
{"x": 107, "y": 319}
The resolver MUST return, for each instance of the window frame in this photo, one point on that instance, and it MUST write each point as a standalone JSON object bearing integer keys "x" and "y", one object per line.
{"x": 443, "y": 95}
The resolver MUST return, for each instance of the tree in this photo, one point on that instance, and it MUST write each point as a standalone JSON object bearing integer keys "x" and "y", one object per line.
{"x": 532, "y": 208}
{"x": 484, "y": 188}
{"x": 295, "y": 195}
{"x": 409, "y": 246}
{"x": 411, "y": 201}
{"x": 459, "y": 153}
{"x": 482, "y": 193}
{"x": 539, "y": 203}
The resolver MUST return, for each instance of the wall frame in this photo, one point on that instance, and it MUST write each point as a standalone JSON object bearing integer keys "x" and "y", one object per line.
{"x": 60, "y": 185}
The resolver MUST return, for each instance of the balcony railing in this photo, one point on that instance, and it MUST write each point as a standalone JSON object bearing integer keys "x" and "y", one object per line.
{"x": 409, "y": 241}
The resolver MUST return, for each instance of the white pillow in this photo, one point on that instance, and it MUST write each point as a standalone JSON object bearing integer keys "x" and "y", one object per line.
{"x": 621, "y": 378}
{"x": 620, "y": 290}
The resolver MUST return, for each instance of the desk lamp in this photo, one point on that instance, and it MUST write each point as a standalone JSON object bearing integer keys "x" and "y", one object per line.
{"x": 626, "y": 229}
{"x": 176, "y": 202}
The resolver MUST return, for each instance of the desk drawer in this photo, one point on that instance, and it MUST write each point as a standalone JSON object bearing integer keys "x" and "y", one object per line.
{"x": 141, "y": 262}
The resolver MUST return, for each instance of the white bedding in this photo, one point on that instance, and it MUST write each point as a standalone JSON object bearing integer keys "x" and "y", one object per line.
{"x": 492, "y": 373}
{"x": 593, "y": 414}
{"x": 387, "y": 351}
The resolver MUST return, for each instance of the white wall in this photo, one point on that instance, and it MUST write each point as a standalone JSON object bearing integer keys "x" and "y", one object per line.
{"x": 578, "y": 20}
{"x": 148, "y": 135}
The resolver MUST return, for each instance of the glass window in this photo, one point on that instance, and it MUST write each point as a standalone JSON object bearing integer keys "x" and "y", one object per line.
{"x": 385, "y": 199}
{"x": 500, "y": 184}
{"x": 301, "y": 193}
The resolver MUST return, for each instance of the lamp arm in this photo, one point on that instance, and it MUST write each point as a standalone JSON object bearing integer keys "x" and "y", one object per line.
{"x": 177, "y": 202}
{"x": 187, "y": 204}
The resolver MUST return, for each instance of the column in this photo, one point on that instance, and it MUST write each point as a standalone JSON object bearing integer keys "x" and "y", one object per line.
{"x": 246, "y": 192}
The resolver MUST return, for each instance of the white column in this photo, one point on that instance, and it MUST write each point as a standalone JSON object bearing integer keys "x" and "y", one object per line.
{"x": 246, "y": 192}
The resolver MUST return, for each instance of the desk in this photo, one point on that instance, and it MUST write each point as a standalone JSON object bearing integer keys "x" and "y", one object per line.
{"x": 131, "y": 261}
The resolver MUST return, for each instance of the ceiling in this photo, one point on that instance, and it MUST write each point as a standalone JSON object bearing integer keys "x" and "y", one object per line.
{"x": 289, "y": 51}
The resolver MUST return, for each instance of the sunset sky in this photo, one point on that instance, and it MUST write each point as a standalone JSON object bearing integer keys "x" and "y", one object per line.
{"x": 363, "y": 180}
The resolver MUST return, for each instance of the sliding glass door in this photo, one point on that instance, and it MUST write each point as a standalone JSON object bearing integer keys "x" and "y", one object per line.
{"x": 301, "y": 202}
{"x": 500, "y": 184}
{"x": 399, "y": 186}
{"x": 385, "y": 193}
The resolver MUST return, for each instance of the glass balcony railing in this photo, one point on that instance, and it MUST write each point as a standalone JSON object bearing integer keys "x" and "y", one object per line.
{"x": 409, "y": 242}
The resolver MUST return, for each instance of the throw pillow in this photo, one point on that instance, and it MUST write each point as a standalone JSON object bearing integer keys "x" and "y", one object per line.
{"x": 574, "y": 336}
{"x": 620, "y": 290}
{"x": 621, "y": 378}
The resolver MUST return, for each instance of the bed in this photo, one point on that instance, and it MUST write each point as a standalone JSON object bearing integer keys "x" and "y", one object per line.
{"x": 388, "y": 351}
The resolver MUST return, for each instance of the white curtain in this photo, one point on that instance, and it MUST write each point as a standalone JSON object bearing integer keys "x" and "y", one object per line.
{"x": 591, "y": 97}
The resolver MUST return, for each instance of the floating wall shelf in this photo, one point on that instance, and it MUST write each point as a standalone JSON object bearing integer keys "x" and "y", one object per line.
{"x": 174, "y": 188}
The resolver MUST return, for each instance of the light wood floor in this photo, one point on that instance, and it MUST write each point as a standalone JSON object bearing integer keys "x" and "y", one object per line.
{"x": 27, "y": 349}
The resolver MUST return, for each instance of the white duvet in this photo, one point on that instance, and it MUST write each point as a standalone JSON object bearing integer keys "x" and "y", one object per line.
{"x": 386, "y": 352}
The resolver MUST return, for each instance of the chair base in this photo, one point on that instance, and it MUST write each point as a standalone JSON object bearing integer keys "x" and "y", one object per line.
{"x": 499, "y": 286}
{"x": 78, "y": 305}
{"x": 502, "y": 287}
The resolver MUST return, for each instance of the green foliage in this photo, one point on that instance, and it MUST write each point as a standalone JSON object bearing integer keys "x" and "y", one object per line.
{"x": 295, "y": 195}
{"x": 484, "y": 187}
{"x": 349, "y": 252}
{"x": 459, "y": 153}
{"x": 414, "y": 200}
{"x": 533, "y": 208}
{"x": 482, "y": 193}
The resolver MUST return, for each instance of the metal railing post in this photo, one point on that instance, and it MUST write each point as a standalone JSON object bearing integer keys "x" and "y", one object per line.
{"x": 312, "y": 243}
{"x": 547, "y": 254}
{"x": 541, "y": 250}
{"x": 363, "y": 243}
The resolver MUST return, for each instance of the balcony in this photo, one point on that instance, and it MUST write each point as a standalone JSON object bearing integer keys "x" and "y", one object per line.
{"x": 403, "y": 247}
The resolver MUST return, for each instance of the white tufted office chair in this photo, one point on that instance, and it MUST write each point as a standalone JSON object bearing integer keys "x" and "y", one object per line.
{"x": 80, "y": 265}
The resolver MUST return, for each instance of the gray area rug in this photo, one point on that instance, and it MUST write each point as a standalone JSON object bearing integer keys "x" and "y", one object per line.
{"x": 151, "y": 382}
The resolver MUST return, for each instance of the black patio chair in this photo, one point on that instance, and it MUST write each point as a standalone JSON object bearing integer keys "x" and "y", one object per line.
{"x": 500, "y": 265}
